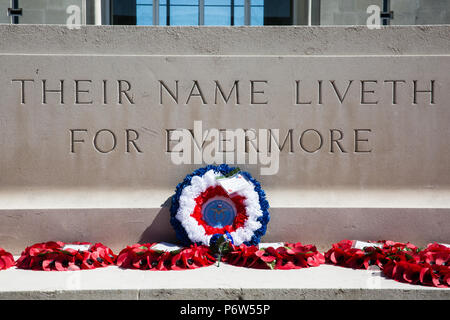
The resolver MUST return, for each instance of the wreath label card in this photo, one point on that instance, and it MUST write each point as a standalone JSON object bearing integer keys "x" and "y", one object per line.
{"x": 362, "y": 244}
{"x": 165, "y": 246}
{"x": 77, "y": 247}
{"x": 233, "y": 184}
{"x": 266, "y": 245}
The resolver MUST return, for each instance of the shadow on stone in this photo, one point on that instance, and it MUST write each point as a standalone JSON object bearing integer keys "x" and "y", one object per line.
{"x": 160, "y": 230}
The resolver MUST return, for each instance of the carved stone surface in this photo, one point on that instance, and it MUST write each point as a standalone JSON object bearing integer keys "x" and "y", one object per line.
{"x": 89, "y": 120}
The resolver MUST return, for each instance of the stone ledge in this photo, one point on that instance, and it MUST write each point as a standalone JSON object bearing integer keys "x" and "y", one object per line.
{"x": 224, "y": 282}
{"x": 278, "y": 40}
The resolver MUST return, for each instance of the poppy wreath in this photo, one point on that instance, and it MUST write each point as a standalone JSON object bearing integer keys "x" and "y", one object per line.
{"x": 142, "y": 256}
{"x": 343, "y": 254}
{"x": 50, "y": 256}
{"x": 429, "y": 267}
{"x": 289, "y": 256}
{"x": 250, "y": 208}
{"x": 6, "y": 259}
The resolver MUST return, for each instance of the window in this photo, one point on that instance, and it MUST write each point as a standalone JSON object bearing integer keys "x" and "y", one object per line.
{"x": 144, "y": 12}
{"x": 219, "y": 12}
{"x": 183, "y": 12}
{"x": 192, "y": 12}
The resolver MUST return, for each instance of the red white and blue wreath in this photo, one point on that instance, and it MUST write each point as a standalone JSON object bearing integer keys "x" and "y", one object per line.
{"x": 203, "y": 211}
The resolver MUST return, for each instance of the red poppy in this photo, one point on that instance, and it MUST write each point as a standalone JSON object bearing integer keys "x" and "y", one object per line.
{"x": 343, "y": 254}
{"x": 267, "y": 255}
{"x": 244, "y": 256}
{"x": 427, "y": 267}
{"x": 192, "y": 258}
{"x": 436, "y": 254}
{"x": 135, "y": 256}
{"x": 411, "y": 273}
{"x": 289, "y": 256}
{"x": 6, "y": 260}
{"x": 165, "y": 261}
{"x": 440, "y": 276}
{"x": 436, "y": 247}
{"x": 445, "y": 274}
{"x": 142, "y": 256}
{"x": 287, "y": 263}
{"x": 436, "y": 257}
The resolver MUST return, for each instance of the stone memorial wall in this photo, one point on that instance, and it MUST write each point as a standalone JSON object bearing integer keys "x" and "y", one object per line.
{"x": 345, "y": 127}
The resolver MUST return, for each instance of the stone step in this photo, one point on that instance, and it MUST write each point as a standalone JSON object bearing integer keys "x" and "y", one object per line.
{"x": 223, "y": 282}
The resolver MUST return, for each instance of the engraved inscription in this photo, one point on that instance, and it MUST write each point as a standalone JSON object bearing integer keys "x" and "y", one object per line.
{"x": 104, "y": 141}
{"x": 307, "y": 141}
{"x": 168, "y": 92}
{"x": 177, "y": 92}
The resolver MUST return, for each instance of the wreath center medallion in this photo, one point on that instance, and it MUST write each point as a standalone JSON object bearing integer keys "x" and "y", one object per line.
{"x": 219, "y": 212}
